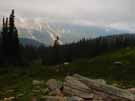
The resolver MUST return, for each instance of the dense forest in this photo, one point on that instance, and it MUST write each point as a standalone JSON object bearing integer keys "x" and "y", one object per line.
{"x": 14, "y": 53}
{"x": 10, "y": 41}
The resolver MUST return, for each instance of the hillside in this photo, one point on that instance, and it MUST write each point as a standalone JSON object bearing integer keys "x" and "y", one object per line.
{"x": 115, "y": 67}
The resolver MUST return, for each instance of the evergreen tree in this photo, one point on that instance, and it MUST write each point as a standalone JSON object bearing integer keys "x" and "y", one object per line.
{"x": 10, "y": 41}
{"x": 13, "y": 35}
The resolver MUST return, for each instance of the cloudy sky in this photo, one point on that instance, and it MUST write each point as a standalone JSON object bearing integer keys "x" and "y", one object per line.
{"x": 113, "y": 13}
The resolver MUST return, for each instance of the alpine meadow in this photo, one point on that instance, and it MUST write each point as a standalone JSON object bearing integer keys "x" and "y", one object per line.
{"x": 67, "y": 50}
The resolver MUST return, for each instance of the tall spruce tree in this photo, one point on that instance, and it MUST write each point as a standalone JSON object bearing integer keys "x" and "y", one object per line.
{"x": 13, "y": 35}
{"x": 10, "y": 41}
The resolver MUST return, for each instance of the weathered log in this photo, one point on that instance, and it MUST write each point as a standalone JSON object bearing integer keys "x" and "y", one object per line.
{"x": 76, "y": 88}
{"x": 76, "y": 84}
{"x": 57, "y": 98}
{"x": 53, "y": 98}
{"x": 75, "y": 92}
{"x": 107, "y": 89}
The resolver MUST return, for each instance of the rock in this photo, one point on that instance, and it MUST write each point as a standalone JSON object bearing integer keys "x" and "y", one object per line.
{"x": 37, "y": 82}
{"x": 53, "y": 98}
{"x": 100, "y": 81}
{"x": 66, "y": 63}
{"x": 56, "y": 92}
{"x": 52, "y": 84}
{"x": 117, "y": 63}
{"x": 35, "y": 91}
{"x": 9, "y": 99}
{"x": 132, "y": 90}
{"x": 34, "y": 98}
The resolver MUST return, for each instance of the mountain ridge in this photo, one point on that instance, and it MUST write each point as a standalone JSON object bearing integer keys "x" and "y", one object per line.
{"x": 68, "y": 33}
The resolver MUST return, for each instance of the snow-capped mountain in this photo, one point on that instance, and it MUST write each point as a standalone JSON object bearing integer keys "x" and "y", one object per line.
{"x": 45, "y": 32}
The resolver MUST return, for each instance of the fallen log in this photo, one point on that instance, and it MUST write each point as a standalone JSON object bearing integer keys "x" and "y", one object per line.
{"x": 73, "y": 87}
{"x": 58, "y": 98}
{"x": 105, "y": 88}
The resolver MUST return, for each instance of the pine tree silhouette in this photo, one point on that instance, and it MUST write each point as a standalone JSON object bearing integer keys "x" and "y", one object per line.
{"x": 10, "y": 41}
{"x": 13, "y": 35}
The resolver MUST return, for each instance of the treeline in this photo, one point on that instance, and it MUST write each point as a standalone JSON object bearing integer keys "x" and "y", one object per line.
{"x": 11, "y": 52}
{"x": 85, "y": 48}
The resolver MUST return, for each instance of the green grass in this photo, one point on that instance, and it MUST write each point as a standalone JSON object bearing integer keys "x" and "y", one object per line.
{"x": 103, "y": 66}
{"x": 20, "y": 79}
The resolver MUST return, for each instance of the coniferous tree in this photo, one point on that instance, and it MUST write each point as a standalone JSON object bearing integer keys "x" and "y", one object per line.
{"x": 56, "y": 51}
{"x": 10, "y": 41}
{"x": 13, "y": 35}
{"x": 4, "y": 38}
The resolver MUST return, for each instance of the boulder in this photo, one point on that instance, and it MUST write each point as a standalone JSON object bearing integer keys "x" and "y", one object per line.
{"x": 9, "y": 99}
{"x": 56, "y": 92}
{"x": 34, "y": 98}
{"x": 132, "y": 90}
{"x": 52, "y": 84}
{"x": 37, "y": 82}
{"x": 117, "y": 63}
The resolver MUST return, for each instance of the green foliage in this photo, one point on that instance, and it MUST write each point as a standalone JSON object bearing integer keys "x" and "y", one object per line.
{"x": 105, "y": 66}
{"x": 20, "y": 78}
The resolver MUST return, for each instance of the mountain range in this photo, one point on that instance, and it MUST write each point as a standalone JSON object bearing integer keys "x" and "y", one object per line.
{"x": 37, "y": 30}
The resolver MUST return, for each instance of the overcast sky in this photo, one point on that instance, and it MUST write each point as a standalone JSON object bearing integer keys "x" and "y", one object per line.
{"x": 113, "y": 13}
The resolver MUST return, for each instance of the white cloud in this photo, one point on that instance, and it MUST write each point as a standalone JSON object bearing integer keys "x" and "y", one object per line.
{"x": 97, "y": 12}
